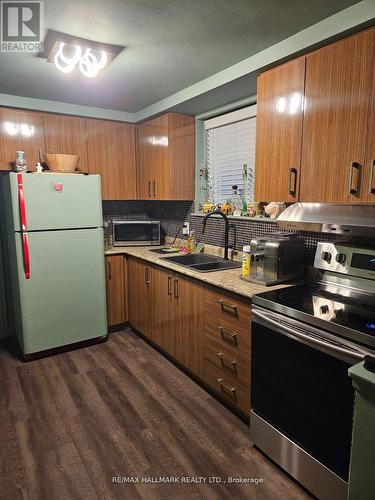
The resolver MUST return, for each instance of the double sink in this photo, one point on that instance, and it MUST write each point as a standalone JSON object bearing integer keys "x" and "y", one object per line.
{"x": 203, "y": 263}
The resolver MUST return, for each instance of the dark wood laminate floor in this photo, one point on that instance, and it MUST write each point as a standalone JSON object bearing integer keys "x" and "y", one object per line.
{"x": 71, "y": 422}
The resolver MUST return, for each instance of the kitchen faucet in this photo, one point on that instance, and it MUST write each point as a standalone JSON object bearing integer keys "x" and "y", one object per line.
{"x": 226, "y": 234}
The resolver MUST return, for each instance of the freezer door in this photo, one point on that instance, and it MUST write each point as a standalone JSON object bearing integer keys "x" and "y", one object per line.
{"x": 64, "y": 301}
{"x": 55, "y": 201}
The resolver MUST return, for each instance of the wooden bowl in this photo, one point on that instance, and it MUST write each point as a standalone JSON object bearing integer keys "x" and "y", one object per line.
{"x": 61, "y": 163}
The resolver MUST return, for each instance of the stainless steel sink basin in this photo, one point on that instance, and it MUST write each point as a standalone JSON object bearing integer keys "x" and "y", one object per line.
{"x": 203, "y": 263}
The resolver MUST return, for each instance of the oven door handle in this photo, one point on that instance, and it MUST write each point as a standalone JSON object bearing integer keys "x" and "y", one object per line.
{"x": 309, "y": 339}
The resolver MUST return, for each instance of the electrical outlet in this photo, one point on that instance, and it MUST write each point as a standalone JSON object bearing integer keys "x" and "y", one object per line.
{"x": 185, "y": 229}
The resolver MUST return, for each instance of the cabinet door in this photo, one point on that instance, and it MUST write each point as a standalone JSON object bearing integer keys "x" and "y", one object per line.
{"x": 339, "y": 81}
{"x": 116, "y": 307}
{"x": 163, "y": 327}
{"x": 279, "y": 132}
{"x": 111, "y": 153}
{"x": 188, "y": 324}
{"x": 368, "y": 193}
{"x": 20, "y": 131}
{"x": 181, "y": 131}
{"x": 140, "y": 290}
{"x": 153, "y": 144}
{"x": 66, "y": 135}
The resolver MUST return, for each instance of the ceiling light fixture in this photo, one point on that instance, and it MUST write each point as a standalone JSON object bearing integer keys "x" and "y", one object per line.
{"x": 68, "y": 52}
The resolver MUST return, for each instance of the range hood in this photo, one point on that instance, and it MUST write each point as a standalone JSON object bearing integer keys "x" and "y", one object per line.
{"x": 357, "y": 220}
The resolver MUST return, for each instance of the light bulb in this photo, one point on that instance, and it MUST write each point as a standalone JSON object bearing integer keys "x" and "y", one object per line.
{"x": 70, "y": 62}
{"x": 89, "y": 64}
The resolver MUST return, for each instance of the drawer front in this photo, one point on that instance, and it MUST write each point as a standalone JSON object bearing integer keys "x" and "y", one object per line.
{"x": 228, "y": 336}
{"x": 228, "y": 308}
{"x": 229, "y": 362}
{"x": 231, "y": 390}
{"x": 227, "y": 320}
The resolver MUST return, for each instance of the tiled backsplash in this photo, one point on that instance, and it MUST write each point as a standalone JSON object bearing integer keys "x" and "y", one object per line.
{"x": 172, "y": 214}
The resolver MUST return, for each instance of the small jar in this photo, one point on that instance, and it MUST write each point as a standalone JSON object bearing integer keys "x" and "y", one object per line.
{"x": 20, "y": 164}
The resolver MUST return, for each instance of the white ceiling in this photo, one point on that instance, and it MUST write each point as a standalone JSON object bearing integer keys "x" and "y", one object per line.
{"x": 170, "y": 45}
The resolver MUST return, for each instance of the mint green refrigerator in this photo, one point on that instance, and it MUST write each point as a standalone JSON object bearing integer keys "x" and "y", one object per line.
{"x": 55, "y": 259}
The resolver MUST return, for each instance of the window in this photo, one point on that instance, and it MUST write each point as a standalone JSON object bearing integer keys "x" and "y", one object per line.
{"x": 230, "y": 152}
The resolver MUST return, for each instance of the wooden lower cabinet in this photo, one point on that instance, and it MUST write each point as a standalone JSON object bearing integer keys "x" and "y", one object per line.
{"x": 227, "y": 334}
{"x": 188, "y": 323}
{"x": 175, "y": 317}
{"x": 140, "y": 292}
{"x": 116, "y": 298}
{"x": 207, "y": 331}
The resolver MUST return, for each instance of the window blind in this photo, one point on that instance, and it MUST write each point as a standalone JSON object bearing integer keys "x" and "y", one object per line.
{"x": 229, "y": 148}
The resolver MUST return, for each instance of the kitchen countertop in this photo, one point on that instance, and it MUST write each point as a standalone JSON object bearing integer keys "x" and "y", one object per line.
{"x": 228, "y": 280}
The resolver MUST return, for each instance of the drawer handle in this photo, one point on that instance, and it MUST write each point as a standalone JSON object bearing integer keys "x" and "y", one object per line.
{"x": 175, "y": 288}
{"x": 170, "y": 285}
{"x": 147, "y": 276}
{"x": 228, "y": 365}
{"x": 227, "y": 389}
{"x": 109, "y": 269}
{"x": 228, "y": 337}
{"x": 371, "y": 189}
{"x": 292, "y": 186}
{"x": 228, "y": 308}
{"x": 354, "y": 166}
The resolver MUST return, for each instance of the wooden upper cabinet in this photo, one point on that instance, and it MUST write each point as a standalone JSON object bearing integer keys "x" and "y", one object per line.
{"x": 368, "y": 193}
{"x": 166, "y": 158}
{"x": 279, "y": 132}
{"x": 111, "y": 153}
{"x": 152, "y": 157}
{"x": 66, "y": 135}
{"x": 20, "y": 131}
{"x": 338, "y": 93}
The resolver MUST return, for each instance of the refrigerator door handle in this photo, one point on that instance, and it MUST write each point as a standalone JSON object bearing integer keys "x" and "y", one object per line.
{"x": 25, "y": 240}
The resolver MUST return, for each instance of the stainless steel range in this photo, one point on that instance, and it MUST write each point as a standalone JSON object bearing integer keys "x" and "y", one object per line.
{"x": 304, "y": 339}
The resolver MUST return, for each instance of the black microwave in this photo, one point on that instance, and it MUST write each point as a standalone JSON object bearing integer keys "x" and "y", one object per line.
{"x": 135, "y": 232}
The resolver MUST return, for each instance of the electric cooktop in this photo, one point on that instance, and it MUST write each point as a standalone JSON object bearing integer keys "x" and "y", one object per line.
{"x": 317, "y": 304}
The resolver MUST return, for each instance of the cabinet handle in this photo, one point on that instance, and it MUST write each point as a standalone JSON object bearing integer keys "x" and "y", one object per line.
{"x": 292, "y": 187}
{"x": 154, "y": 188}
{"x": 228, "y": 308}
{"x": 228, "y": 337}
{"x": 227, "y": 389}
{"x": 170, "y": 285}
{"x": 109, "y": 270}
{"x": 371, "y": 189}
{"x": 228, "y": 365}
{"x": 149, "y": 188}
{"x": 175, "y": 288}
{"x": 147, "y": 276}
{"x": 354, "y": 165}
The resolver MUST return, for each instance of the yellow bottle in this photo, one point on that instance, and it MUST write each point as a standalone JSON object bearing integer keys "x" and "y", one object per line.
{"x": 191, "y": 242}
{"x": 246, "y": 261}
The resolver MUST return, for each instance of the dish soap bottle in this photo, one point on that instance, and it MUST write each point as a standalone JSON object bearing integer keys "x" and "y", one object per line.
{"x": 191, "y": 242}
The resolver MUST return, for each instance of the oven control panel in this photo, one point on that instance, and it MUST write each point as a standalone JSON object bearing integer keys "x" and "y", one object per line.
{"x": 345, "y": 259}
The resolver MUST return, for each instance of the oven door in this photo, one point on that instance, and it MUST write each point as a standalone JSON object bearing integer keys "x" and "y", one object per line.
{"x": 133, "y": 233}
{"x": 302, "y": 400}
